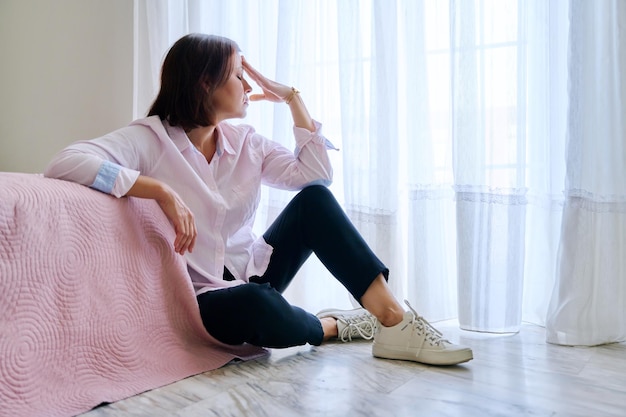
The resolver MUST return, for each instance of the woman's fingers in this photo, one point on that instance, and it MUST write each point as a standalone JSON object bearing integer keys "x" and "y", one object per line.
{"x": 185, "y": 235}
{"x": 183, "y": 221}
{"x": 272, "y": 91}
{"x": 250, "y": 69}
{"x": 191, "y": 241}
{"x": 256, "y": 76}
{"x": 257, "y": 97}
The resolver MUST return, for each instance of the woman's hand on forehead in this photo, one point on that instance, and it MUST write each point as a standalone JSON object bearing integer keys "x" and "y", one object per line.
{"x": 272, "y": 91}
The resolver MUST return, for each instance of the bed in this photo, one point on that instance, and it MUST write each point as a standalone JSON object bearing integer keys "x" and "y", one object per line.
{"x": 95, "y": 306}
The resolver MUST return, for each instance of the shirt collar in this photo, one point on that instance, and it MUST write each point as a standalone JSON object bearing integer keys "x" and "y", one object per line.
{"x": 223, "y": 144}
{"x": 177, "y": 136}
{"x": 182, "y": 142}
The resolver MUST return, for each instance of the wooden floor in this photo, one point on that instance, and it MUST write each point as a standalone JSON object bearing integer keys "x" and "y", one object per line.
{"x": 511, "y": 375}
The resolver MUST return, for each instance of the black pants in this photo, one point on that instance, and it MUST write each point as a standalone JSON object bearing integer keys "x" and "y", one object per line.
{"x": 257, "y": 313}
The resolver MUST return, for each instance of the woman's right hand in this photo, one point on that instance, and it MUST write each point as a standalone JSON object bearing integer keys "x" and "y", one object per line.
{"x": 182, "y": 219}
{"x": 173, "y": 207}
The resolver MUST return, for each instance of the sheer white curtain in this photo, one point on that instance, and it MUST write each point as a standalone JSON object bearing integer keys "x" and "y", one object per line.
{"x": 451, "y": 117}
{"x": 589, "y": 301}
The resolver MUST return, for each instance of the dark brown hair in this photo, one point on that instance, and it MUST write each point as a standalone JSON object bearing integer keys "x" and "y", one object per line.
{"x": 195, "y": 66}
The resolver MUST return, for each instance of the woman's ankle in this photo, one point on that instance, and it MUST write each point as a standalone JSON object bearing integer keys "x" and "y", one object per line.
{"x": 329, "y": 327}
{"x": 391, "y": 316}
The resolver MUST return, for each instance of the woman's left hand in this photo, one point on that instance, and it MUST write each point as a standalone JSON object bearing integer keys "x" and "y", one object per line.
{"x": 272, "y": 91}
{"x": 276, "y": 92}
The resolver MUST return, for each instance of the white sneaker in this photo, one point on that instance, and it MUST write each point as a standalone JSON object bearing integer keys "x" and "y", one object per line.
{"x": 414, "y": 339}
{"x": 351, "y": 324}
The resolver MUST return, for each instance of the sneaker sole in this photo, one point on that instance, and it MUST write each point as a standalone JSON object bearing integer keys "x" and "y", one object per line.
{"x": 448, "y": 358}
{"x": 330, "y": 311}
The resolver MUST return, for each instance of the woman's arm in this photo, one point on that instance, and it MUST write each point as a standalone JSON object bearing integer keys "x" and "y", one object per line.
{"x": 310, "y": 163}
{"x": 299, "y": 112}
{"x": 112, "y": 164}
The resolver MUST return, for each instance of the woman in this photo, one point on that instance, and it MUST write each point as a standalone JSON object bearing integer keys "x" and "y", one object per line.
{"x": 206, "y": 174}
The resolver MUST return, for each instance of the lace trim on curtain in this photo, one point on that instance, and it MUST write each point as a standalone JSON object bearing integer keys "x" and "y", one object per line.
{"x": 598, "y": 204}
{"x": 363, "y": 214}
{"x": 507, "y": 196}
{"x": 552, "y": 202}
{"x": 421, "y": 192}
{"x": 594, "y": 197}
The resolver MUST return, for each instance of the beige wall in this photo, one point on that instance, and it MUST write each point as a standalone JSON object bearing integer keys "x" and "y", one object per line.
{"x": 66, "y": 73}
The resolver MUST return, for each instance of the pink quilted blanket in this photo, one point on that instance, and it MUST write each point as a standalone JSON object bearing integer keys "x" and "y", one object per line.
{"x": 95, "y": 306}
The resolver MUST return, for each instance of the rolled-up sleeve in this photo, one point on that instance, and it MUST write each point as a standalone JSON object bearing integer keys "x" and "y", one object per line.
{"x": 304, "y": 137}
{"x": 114, "y": 179}
{"x": 74, "y": 165}
{"x": 110, "y": 164}
{"x": 106, "y": 177}
{"x": 308, "y": 164}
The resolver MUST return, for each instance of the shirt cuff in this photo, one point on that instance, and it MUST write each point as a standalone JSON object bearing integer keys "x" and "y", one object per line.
{"x": 106, "y": 176}
{"x": 304, "y": 136}
{"x": 114, "y": 179}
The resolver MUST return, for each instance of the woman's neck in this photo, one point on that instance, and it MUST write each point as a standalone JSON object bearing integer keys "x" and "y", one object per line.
{"x": 204, "y": 139}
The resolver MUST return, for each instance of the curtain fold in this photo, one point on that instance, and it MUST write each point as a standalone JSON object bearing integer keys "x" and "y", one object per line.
{"x": 368, "y": 93}
{"x": 487, "y": 69}
{"x": 588, "y": 306}
{"x": 499, "y": 77}
{"x": 459, "y": 123}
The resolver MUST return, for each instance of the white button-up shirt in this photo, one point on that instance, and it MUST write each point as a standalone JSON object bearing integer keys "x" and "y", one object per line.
{"x": 223, "y": 194}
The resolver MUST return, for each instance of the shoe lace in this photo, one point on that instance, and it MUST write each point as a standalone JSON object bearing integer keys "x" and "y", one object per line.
{"x": 432, "y": 335}
{"x": 362, "y": 325}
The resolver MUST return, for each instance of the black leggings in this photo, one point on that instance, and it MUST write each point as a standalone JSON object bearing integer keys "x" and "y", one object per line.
{"x": 257, "y": 313}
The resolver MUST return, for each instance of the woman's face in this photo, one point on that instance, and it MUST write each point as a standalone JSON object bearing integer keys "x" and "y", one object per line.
{"x": 231, "y": 99}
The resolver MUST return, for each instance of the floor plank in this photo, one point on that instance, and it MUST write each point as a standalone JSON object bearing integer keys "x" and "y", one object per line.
{"x": 511, "y": 375}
